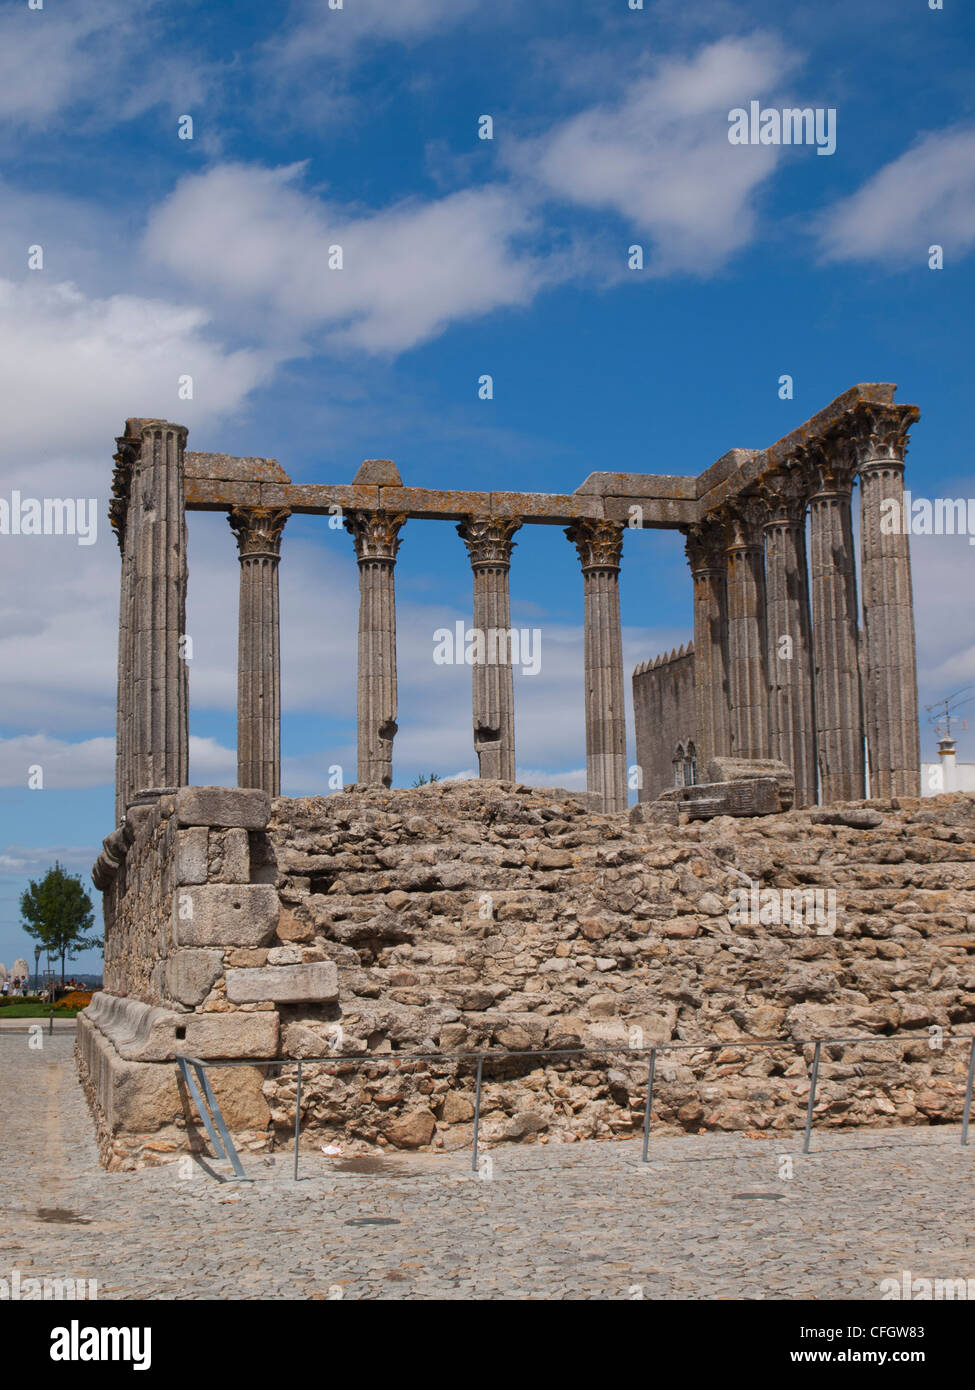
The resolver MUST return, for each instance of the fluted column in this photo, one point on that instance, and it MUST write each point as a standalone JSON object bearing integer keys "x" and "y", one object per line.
{"x": 489, "y": 545}
{"x": 747, "y": 676}
{"x": 600, "y": 546}
{"x": 792, "y": 730}
{"x": 832, "y": 576}
{"x": 148, "y": 512}
{"x": 258, "y": 531}
{"x": 705, "y": 547}
{"x": 888, "y": 659}
{"x": 377, "y": 540}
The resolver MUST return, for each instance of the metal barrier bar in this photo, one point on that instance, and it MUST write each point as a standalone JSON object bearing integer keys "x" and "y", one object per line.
{"x": 968, "y": 1094}
{"x": 477, "y": 1111}
{"x": 812, "y": 1096}
{"x": 226, "y": 1148}
{"x": 646, "y": 1113}
{"x": 297, "y": 1119}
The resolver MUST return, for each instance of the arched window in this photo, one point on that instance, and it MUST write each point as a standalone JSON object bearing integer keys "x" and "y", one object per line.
{"x": 678, "y": 761}
{"x": 690, "y": 764}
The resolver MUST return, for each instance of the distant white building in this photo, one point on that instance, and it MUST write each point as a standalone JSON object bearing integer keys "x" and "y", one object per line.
{"x": 947, "y": 774}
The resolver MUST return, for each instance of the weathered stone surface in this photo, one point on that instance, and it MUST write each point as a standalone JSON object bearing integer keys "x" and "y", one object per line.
{"x": 284, "y": 984}
{"x": 217, "y": 914}
{"x": 223, "y": 807}
{"x": 742, "y": 769}
{"x": 191, "y": 974}
{"x": 753, "y": 796}
{"x": 414, "y": 1131}
{"x": 191, "y": 855}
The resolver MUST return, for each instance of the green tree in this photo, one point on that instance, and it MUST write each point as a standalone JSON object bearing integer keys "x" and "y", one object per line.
{"x": 58, "y": 913}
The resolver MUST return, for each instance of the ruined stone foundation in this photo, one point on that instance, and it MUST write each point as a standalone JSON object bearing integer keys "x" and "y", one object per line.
{"x": 486, "y": 915}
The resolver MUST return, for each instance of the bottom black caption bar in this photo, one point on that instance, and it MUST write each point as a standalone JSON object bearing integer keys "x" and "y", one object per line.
{"x": 147, "y": 1338}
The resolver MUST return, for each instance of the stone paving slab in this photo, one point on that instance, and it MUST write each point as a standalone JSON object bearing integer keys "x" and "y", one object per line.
{"x": 710, "y": 1217}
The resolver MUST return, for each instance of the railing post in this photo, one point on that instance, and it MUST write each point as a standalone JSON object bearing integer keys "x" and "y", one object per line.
{"x": 646, "y": 1113}
{"x": 812, "y": 1096}
{"x": 477, "y": 1109}
{"x": 968, "y": 1094}
{"x": 297, "y": 1119}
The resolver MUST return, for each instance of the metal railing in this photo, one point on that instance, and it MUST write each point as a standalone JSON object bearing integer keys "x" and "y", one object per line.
{"x": 223, "y": 1145}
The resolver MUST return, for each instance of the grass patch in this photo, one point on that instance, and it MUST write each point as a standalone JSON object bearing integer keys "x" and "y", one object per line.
{"x": 25, "y": 1009}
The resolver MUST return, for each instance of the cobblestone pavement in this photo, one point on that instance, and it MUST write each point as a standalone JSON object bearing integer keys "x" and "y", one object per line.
{"x": 709, "y": 1217}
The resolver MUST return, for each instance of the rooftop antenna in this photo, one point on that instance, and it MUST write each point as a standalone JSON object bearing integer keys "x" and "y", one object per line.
{"x": 946, "y": 710}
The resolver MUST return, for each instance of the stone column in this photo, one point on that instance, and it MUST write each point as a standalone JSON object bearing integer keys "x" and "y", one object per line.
{"x": 747, "y": 675}
{"x": 258, "y": 531}
{"x": 792, "y": 729}
{"x": 705, "y": 547}
{"x": 600, "y": 546}
{"x": 149, "y": 514}
{"x": 888, "y": 660}
{"x": 376, "y": 536}
{"x": 489, "y": 545}
{"x": 832, "y": 576}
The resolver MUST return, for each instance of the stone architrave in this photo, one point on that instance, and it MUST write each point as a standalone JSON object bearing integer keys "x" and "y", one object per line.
{"x": 830, "y": 468}
{"x": 148, "y": 514}
{"x": 258, "y": 531}
{"x": 377, "y": 540}
{"x": 489, "y": 545}
{"x": 600, "y": 546}
{"x": 705, "y": 549}
{"x": 747, "y": 676}
{"x": 888, "y": 657}
{"x": 792, "y": 730}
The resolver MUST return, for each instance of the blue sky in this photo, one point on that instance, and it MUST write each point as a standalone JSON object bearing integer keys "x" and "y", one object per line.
{"x": 314, "y": 126}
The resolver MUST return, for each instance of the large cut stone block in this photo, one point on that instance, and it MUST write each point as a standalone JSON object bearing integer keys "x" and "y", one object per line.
{"x": 191, "y": 974}
{"x": 743, "y": 769}
{"x": 191, "y": 855}
{"x": 138, "y": 1032}
{"x": 315, "y": 983}
{"x": 223, "y": 806}
{"x": 753, "y": 796}
{"x": 229, "y": 1035}
{"x": 225, "y": 914}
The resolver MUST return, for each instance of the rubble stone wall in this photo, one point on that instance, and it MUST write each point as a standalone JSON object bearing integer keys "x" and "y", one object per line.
{"x": 476, "y": 915}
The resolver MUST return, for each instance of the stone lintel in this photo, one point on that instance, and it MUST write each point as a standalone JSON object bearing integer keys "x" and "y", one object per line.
{"x": 314, "y": 983}
{"x": 225, "y": 807}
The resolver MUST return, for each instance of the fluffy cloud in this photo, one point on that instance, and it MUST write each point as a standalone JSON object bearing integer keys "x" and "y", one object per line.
{"x": 925, "y": 196}
{"x": 319, "y": 30}
{"x": 253, "y": 236}
{"x": 661, "y": 158}
{"x": 102, "y": 359}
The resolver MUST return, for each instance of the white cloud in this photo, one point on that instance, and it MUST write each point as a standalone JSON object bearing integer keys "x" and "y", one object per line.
{"x": 320, "y": 30}
{"x": 924, "y": 197}
{"x": 254, "y": 237}
{"x": 103, "y": 359}
{"x": 661, "y": 158}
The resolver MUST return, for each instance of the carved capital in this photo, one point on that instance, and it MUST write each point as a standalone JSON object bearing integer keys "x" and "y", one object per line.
{"x": 704, "y": 545}
{"x": 744, "y": 518}
{"x": 784, "y": 492}
{"x": 599, "y": 543}
{"x": 828, "y": 465}
{"x": 879, "y": 435}
{"x": 258, "y": 530}
{"x": 376, "y": 534}
{"x": 488, "y": 539}
{"x": 127, "y": 451}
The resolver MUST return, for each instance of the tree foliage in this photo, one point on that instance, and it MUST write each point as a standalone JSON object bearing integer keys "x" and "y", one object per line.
{"x": 57, "y": 913}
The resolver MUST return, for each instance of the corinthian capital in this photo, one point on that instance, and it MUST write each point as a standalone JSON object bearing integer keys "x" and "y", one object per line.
{"x": 704, "y": 545}
{"x": 784, "y": 492}
{"x": 879, "y": 434}
{"x": 488, "y": 539}
{"x": 828, "y": 464}
{"x": 599, "y": 543}
{"x": 376, "y": 534}
{"x": 258, "y": 530}
{"x": 744, "y": 518}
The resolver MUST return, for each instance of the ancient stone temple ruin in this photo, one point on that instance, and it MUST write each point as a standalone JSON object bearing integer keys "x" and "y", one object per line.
{"x": 490, "y": 915}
